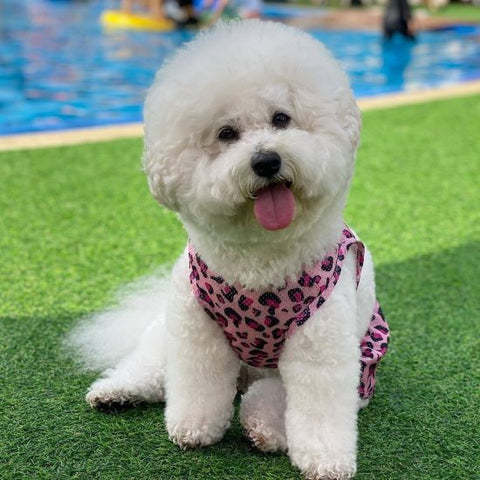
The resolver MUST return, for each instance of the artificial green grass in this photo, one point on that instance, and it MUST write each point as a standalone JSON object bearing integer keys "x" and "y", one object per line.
{"x": 77, "y": 222}
{"x": 458, "y": 11}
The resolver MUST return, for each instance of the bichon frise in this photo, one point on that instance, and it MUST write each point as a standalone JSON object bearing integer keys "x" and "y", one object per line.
{"x": 251, "y": 133}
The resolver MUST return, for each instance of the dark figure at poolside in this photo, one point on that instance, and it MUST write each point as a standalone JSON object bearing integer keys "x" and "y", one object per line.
{"x": 398, "y": 18}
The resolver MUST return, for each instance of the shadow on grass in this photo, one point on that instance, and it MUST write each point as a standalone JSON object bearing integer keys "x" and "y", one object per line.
{"x": 422, "y": 420}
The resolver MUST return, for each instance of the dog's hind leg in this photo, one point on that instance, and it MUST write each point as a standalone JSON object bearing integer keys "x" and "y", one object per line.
{"x": 137, "y": 378}
{"x": 262, "y": 414}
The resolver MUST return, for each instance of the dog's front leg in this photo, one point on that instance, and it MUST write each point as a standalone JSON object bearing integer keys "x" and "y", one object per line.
{"x": 320, "y": 371}
{"x": 202, "y": 370}
{"x": 321, "y": 414}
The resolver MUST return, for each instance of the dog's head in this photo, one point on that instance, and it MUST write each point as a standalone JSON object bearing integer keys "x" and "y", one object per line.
{"x": 250, "y": 128}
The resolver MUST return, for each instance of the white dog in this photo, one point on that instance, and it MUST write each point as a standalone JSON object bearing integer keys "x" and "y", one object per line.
{"x": 251, "y": 133}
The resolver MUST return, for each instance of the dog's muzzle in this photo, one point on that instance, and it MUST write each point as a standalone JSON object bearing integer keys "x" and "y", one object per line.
{"x": 266, "y": 164}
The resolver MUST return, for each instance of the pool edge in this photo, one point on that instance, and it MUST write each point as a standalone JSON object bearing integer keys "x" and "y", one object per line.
{"x": 379, "y": 102}
{"x": 134, "y": 130}
{"x": 21, "y": 141}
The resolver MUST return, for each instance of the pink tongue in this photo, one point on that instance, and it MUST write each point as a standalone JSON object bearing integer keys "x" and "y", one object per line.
{"x": 274, "y": 207}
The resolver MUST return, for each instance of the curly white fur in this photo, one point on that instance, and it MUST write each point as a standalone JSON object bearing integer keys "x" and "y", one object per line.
{"x": 239, "y": 75}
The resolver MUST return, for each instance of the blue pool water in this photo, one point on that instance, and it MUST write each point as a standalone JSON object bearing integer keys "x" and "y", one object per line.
{"x": 60, "y": 69}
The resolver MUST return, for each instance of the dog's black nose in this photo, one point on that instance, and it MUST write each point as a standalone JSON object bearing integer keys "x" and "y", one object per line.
{"x": 266, "y": 164}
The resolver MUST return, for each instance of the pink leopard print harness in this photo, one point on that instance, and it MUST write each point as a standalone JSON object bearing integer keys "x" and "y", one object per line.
{"x": 257, "y": 323}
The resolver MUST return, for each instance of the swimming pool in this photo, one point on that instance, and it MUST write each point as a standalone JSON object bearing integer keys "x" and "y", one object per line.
{"x": 59, "y": 68}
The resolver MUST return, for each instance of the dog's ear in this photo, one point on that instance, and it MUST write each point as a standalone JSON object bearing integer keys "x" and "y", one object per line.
{"x": 351, "y": 118}
{"x": 160, "y": 180}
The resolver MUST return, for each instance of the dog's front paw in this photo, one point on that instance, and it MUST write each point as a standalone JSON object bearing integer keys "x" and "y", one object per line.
{"x": 105, "y": 393}
{"x": 200, "y": 433}
{"x": 330, "y": 472}
{"x": 265, "y": 437}
{"x": 323, "y": 467}
{"x": 109, "y": 392}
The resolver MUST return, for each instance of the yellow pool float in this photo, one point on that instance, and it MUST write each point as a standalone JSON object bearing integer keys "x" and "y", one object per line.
{"x": 118, "y": 19}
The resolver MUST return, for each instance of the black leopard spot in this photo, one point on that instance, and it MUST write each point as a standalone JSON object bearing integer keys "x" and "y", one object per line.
{"x": 259, "y": 343}
{"x": 304, "y": 279}
{"x": 303, "y": 317}
{"x": 230, "y": 337}
{"x": 277, "y": 333}
{"x": 309, "y": 300}
{"x": 258, "y": 353}
{"x": 229, "y": 292}
{"x": 320, "y": 302}
{"x": 202, "y": 265}
{"x": 290, "y": 321}
{"x": 295, "y": 295}
{"x": 194, "y": 275}
{"x": 233, "y": 315}
{"x": 204, "y": 296}
{"x": 254, "y": 325}
{"x": 381, "y": 328}
{"x": 327, "y": 264}
{"x": 376, "y": 338}
{"x": 209, "y": 313}
{"x": 221, "y": 320}
{"x": 270, "y": 299}
{"x": 244, "y": 303}
{"x": 270, "y": 321}
{"x": 297, "y": 308}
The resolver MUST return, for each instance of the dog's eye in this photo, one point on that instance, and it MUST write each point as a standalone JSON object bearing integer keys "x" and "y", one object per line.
{"x": 280, "y": 120}
{"x": 228, "y": 134}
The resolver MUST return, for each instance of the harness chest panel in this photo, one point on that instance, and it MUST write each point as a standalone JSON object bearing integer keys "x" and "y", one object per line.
{"x": 257, "y": 323}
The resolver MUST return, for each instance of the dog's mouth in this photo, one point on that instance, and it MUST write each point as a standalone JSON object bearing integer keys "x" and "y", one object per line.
{"x": 274, "y": 206}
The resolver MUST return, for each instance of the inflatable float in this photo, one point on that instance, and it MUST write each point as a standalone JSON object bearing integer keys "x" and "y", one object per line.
{"x": 118, "y": 19}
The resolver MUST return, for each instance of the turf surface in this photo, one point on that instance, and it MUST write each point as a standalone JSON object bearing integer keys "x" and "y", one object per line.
{"x": 77, "y": 222}
{"x": 458, "y": 11}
